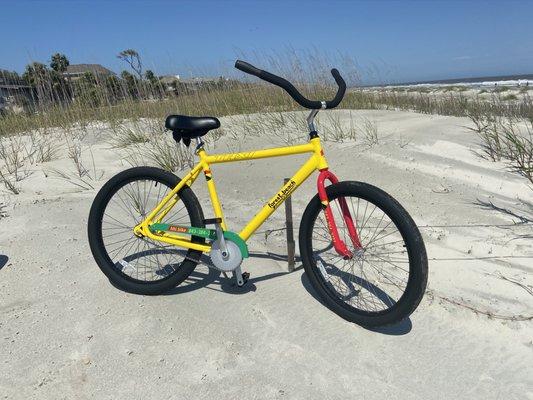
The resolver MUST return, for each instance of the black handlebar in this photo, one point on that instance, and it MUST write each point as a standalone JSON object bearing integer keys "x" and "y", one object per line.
{"x": 289, "y": 87}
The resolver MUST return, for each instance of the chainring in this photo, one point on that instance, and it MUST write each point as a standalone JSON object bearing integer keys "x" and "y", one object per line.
{"x": 229, "y": 263}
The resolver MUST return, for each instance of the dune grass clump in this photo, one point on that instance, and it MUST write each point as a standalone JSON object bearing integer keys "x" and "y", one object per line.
{"x": 509, "y": 97}
{"x": 485, "y": 125}
{"x": 14, "y": 159}
{"x": 334, "y": 130}
{"x": 164, "y": 153}
{"x": 8, "y": 182}
{"x": 45, "y": 147}
{"x": 370, "y": 132}
{"x": 518, "y": 148}
{"x": 124, "y": 136}
{"x": 505, "y": 138}
{"x": 500, "y": 89}
{"x": 13, "y": 155}
{"x": 84, "y": 174}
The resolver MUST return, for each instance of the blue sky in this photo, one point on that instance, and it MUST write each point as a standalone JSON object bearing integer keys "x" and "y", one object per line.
{"x": 389, "y": 40}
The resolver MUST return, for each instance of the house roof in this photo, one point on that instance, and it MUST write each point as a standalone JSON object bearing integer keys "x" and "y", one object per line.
{"x": 97, "y": 69}
{"x": 9, "y": 78}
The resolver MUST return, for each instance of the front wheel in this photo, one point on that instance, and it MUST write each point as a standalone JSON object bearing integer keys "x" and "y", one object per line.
{"x": 383, "y": 283}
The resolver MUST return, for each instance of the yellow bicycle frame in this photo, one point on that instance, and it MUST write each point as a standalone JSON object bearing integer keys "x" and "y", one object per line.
{"x": 317, "y": 161}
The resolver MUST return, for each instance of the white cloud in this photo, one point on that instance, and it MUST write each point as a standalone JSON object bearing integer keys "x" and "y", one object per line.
{"x": 462, "y": 58}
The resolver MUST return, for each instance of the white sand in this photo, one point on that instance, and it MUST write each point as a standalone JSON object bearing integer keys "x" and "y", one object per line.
{"x": 67, "y": 333}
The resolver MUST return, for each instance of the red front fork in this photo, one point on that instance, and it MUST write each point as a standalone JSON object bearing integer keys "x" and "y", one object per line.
{"x": 338, "y": 243}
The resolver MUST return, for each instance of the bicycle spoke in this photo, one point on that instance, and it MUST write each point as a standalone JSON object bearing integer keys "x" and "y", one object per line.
{"x": 374, "y": 279}
{"x": 140, "y": 258}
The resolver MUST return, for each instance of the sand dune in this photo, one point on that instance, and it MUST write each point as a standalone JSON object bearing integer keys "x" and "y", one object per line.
{"x": 67, "y": 333}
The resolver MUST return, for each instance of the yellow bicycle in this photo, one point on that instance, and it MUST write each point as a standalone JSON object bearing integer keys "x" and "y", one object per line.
{"x": 361, "y": 250}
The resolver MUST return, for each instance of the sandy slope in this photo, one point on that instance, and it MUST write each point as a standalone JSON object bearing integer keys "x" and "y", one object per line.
{"x": 65, "y": 332}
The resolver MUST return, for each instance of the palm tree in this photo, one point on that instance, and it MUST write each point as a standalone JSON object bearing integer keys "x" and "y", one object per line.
{"x": 37, "y": 75}
{"x": 59, "y": 62}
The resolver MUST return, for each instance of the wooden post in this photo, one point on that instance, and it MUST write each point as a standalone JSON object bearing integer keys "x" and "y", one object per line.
{"x": 290, "y": 233}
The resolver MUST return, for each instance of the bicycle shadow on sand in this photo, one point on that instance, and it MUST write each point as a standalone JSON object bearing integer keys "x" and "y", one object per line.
{"x": 208, "y": 278}
{"x": 401, "y": 328}
{"x": 212, "y": 279}
{"x": 3, "y": 260}
{"x": 204, "y": 277}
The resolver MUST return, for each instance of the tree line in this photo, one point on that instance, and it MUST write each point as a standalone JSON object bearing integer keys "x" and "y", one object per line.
{"x": 50, "y": 85}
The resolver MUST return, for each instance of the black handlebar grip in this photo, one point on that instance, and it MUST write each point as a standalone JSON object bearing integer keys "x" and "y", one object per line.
{"x": 340, "y": 92}
{"x": 248, "y": 68}
{"x": 291, "y": 90}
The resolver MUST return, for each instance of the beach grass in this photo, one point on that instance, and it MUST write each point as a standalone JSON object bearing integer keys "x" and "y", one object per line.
{"x": 135, "y": 115}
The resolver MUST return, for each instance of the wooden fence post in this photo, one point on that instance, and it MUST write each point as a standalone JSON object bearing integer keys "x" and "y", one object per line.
{"x": 290, "y": 234}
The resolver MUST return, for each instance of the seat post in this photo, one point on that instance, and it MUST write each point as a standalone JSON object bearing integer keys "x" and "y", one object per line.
{"x": 199, "y": 143}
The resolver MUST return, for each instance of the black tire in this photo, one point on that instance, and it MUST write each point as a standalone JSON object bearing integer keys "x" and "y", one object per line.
{"x": 109, "y": 198}
{"x": 340, "y": 295}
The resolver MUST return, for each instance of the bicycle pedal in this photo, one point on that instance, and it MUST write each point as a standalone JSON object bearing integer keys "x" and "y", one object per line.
{"x": 240, "y": 277}
{"x": 243, "y": 279}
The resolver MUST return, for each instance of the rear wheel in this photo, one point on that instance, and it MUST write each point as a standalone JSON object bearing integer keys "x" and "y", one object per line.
{"x": 141, "y": 265}
{"x": 380, "y": 285}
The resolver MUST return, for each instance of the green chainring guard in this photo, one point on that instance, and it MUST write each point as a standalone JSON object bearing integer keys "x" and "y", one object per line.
{"x": 206, "y": 233}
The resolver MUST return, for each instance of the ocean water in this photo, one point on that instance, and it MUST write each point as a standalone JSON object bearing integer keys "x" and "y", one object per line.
{"x": 487, "y": 81}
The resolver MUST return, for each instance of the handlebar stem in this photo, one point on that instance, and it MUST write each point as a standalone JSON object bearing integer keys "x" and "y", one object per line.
{"x": 312, "y": 115}
{"x": 311, "y": 120}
